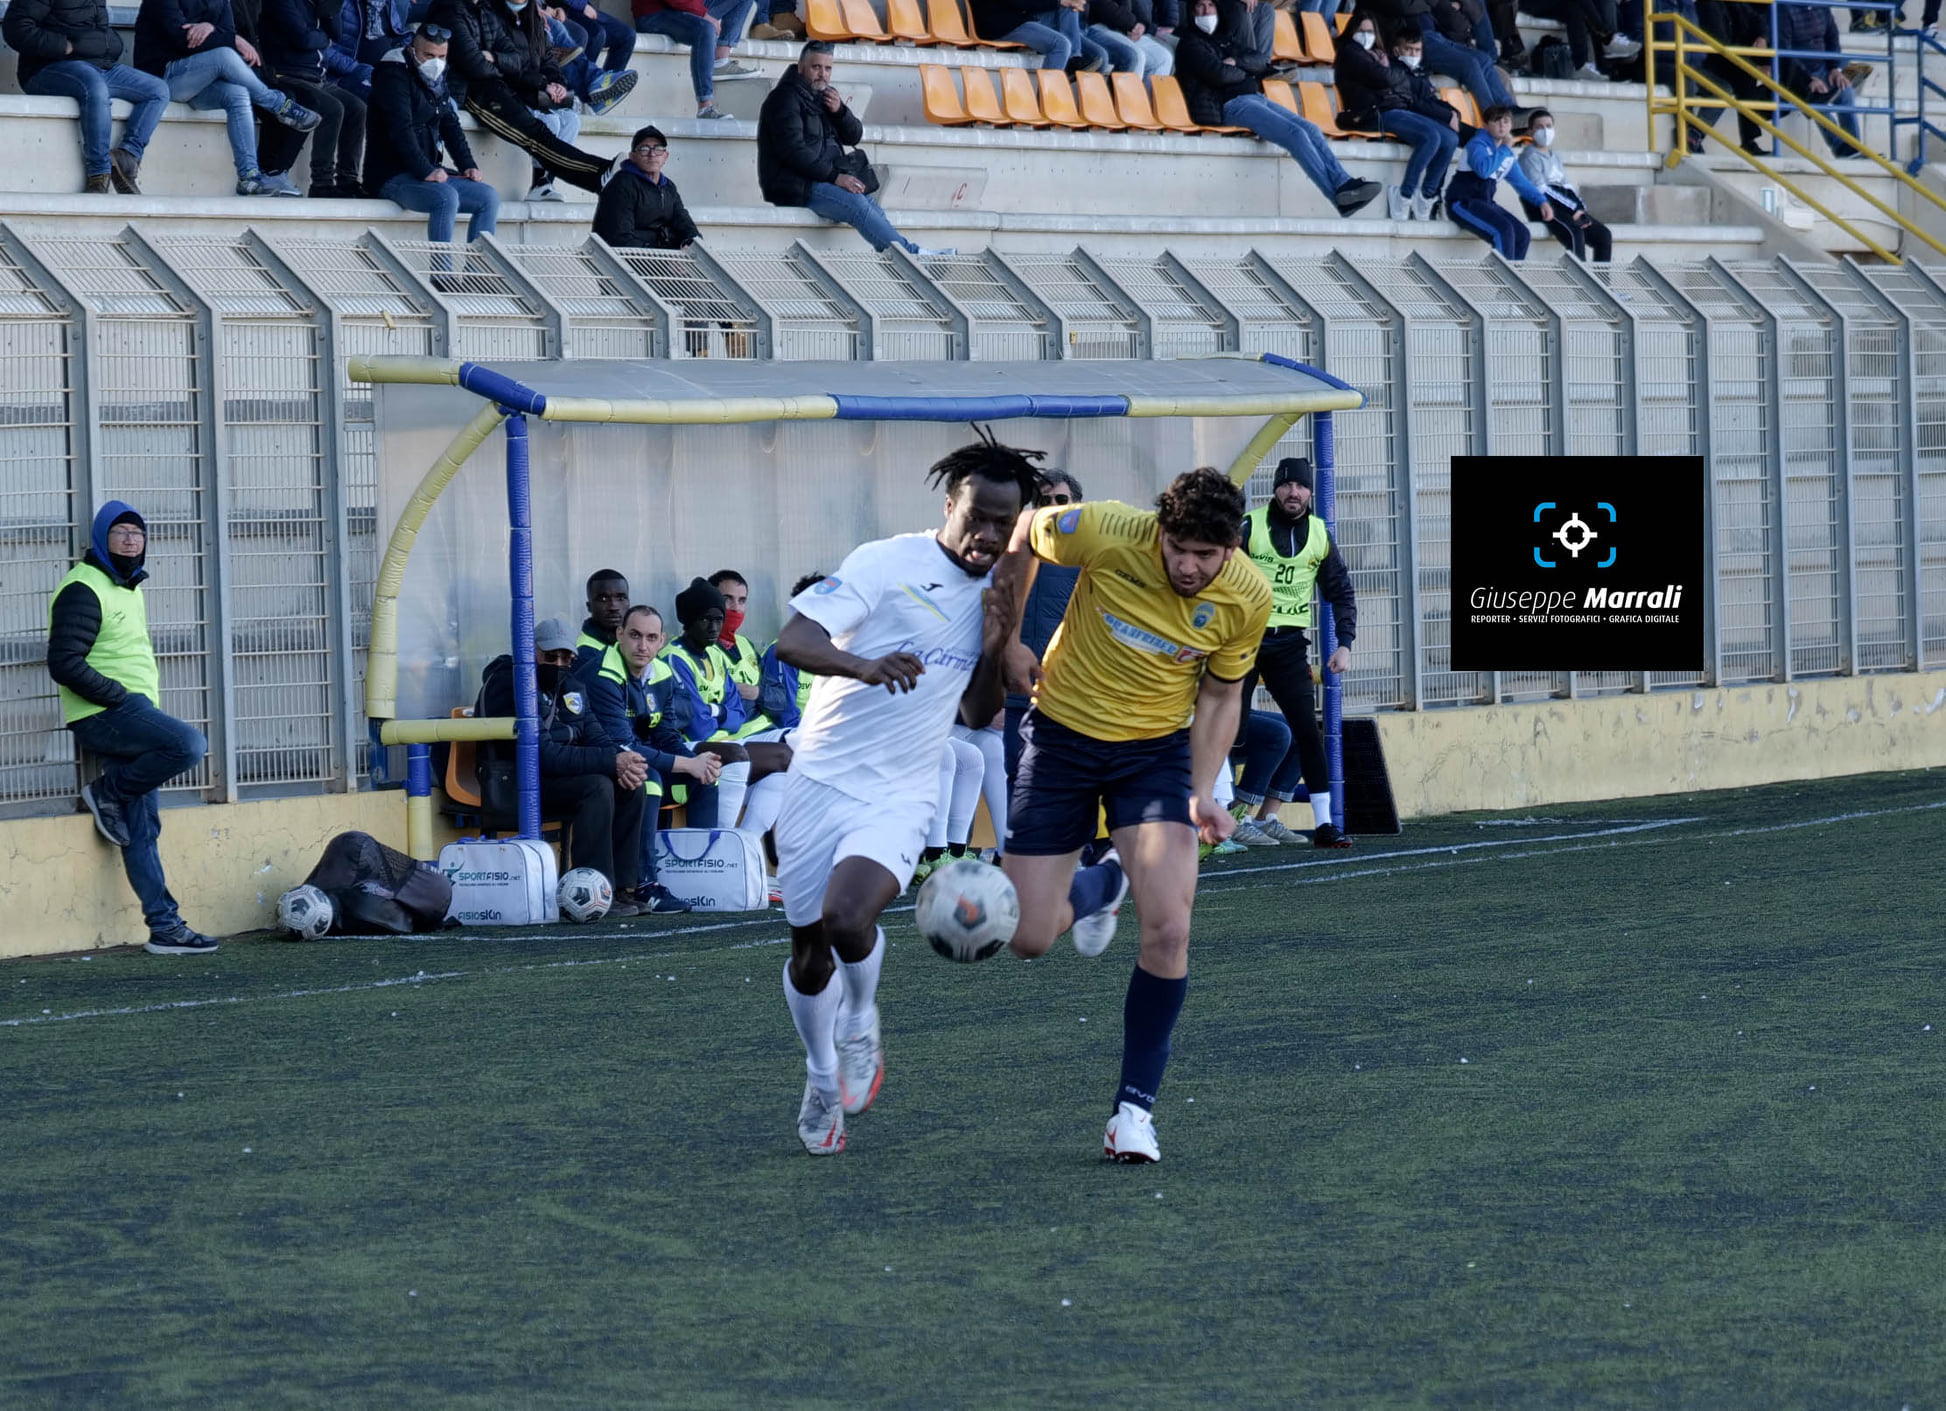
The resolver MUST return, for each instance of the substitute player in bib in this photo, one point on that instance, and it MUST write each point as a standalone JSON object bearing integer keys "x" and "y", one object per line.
{"x": 1163, "y": 626}
{"x": 905, "y": 638}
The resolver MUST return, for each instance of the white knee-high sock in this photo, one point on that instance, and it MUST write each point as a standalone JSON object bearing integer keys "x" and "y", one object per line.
{"x": 816, "y": 1017}
{"x": 1321, "y": 806}
{"x": 948, "y": 766}
{"x": 763, "y": 802}
{"x": 992, "y": 745}
{"x": 731, "y": 785}
{"x": 969, "y": 770}
{"x": 860, "y": 984}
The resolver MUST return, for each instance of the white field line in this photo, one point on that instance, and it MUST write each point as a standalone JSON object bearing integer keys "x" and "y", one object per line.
{"x": 1433, "y": 858}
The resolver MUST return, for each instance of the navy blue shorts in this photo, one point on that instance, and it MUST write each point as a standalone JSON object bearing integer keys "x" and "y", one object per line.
{"x": 1067, "y": 779}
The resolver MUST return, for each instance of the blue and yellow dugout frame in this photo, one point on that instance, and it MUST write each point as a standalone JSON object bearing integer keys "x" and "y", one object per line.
{"x": 508, "y": 403}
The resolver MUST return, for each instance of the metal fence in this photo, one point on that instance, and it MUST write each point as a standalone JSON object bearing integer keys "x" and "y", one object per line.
{"x": 204, "y": 379}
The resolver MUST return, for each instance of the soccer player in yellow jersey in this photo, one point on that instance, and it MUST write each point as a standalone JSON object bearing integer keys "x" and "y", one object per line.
{"x": 1133, "y": 715}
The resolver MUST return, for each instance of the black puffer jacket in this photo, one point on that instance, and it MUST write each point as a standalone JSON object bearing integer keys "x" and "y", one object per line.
{"x": 292, "y": 35}
{"x": 570, "y": 741}
{"x": 1369, "y": 86}
{"x": 406, "y": 125}
{"x": 636, "y": 213}
{"x": 799, "y": 143}
{"x": 160, "y": 36}
{"x": 522, "y": 57}
{"x": 40, "y": 31}
{"x": 1456, "y": 20}
{"x": 74, "y": 622}
{"x": 1207, "y": 81}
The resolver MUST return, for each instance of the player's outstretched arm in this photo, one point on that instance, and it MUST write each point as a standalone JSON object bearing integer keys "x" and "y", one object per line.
{"x": 805, "y": 645}
{"x": 986, "y": 694}
{"x": 1219, "y": 705}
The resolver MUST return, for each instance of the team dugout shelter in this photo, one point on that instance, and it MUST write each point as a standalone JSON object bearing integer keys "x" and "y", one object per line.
{"x": 505, "y": 484}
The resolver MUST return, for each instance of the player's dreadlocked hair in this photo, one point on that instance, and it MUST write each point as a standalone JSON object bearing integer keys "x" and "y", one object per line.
{"x": 989, "y": 459}
{"x": 1202, "y": 505}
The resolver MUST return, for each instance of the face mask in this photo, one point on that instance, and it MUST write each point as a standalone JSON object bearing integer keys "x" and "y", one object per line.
{"x": 431, "y": 69}
{"x": 1206, "y": 23}
{"x": 548, "y": 677}
{"x": 1364, "y": 39}
{"x": 516, "y": 8}
{"x": 1543, "y": 137}
{"x": 1411, "y": 61}
{"x": 732, "y": 623}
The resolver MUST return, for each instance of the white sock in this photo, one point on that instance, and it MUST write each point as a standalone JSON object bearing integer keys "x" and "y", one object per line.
{"x": 731, "y": 785}
{"x": 1225, "y": 791}
{"x": 993, "y": 781}
{"x": 1321, "y": 808}
{"x": 763, "y": 803}
{"x": 969, "y": 771}
{"x": 816, "y": 1017}
{"x": 948, "y": 766}
{"x": 860, "y": 986}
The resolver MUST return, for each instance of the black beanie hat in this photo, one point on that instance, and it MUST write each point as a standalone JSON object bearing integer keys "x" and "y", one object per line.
{"x": 1294, "y": 470}
{"x": 695, "y": 600}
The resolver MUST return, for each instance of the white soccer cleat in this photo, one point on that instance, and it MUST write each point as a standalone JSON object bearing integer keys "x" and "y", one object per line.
{"x": 1093, "y": 932}
{"x": 820, "y": 1123}
{"x": 861, "y": 1067}
{"x": 1130, "y": 1136}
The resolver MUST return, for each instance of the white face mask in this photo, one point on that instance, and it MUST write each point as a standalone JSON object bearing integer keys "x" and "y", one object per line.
{"x": 431, "y": 69}
{"x": 1411, "y": 61}
{"x": 1543, "y": 137}
{"x": 1364, "y": 39}
{"x": 1206, "y": 23}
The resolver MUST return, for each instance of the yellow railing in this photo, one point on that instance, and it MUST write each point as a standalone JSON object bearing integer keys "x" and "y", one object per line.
{"x": 1690, "y": 40}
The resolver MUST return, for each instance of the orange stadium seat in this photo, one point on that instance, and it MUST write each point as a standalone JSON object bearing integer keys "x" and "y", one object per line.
{"x": 904, "y": 19}
{"x": 940, "y": 97}
{"x": 1172, "y": 109}
{"x": 1132, "y": 102}
{"x": 1279, "y": 92}
{"x": 1097, "y": 103}
{"x": 1462, "y": 103}
{"x": 1319, "y": 38}
{"x": 1057, "y": 99}
{"x": 949, "y": 27}
{"x": 982, "y": 103}
{"x": 1343, "y": 21}
{"x": 1017, "y": 94}
{"x": 823, "y": 19}
{"x": 1284, "y": 44}
{"x": 862, "y": 20}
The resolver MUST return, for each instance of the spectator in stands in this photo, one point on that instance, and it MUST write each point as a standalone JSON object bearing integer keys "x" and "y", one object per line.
{"x": 100, "y": 656}
{"x": 1586, "y": 237}
{"x": 410, "y": 120}
{"x": 1117, "y": 30}
{"x": 1458, "y": 57}
{"x": 586, "y": 782}
{"x": 783, "y": 23}
{"x": 711, "y": 29}
{"x": 1387, "y": 93}
{"x": 802, "y": 135}
{"x": 1591, "y": 26}
{"x": 368, "y": 30}
{"x": 746, "y": 658}
{"x": 1297, "y": 555}
{"x": 640, "y": 208}
{"x": 1820, "y": 81}
{"x": 1221, "y": 85}
{"x": 193, "y": 46}
{"x": 600, "y": 90}
{"x": 1053, "y": 33}
{"x": 1738, "y": 25}
{"x": 1047, "y": 602}
{"x": 603, "y": 39}
{"x": 1470, "y": 195}
{"x": 294, "y": 36}
{"x": 68, "y": 50}
{"x": 503, "y": 73}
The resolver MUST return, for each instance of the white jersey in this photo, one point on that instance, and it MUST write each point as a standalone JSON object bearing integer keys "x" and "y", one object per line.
{"x": 892, "y": 595}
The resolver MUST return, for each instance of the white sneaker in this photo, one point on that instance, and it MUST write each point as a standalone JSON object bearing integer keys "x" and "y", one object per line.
{"x": 820, "y": 1123}
{"x": 730, "y": 69}
{"x": 1130, "y": 1136}
{"x": 1421, "y": 210}
{"x": 1622, "y": 47}
{"x": 1274, "y": 829}
{"x": 861, "y": 1067}
{"x": 1396, "y": 205}
{"x": 1251, "y": 835}
{"x": 1588, "y": 73}
{"x": 1092, "y": 933}
{"x": 544, "y": 192}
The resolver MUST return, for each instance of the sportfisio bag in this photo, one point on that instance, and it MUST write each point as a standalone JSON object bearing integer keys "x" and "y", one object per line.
{"x": 508, "y": 883}
{"x": 713, "y": 869}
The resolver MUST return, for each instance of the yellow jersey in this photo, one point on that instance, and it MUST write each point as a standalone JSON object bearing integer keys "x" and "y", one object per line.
{"x": 1129, "y": 655}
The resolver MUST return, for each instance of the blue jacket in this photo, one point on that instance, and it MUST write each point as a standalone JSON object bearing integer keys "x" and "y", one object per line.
{"x": 1047, "y": 604}
{"x": 1807, "y": 27}
{"x": 778, "y": 691}
{"x": 704, "y": 721}
{"x": 630, "y": 714}
{"x": 1489, "y": 161}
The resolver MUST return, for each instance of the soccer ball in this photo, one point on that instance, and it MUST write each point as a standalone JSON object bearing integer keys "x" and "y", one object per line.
{"x": 585, "y": 895}
{"x": 968, "y": 910}
{"x": 305, "y": 912}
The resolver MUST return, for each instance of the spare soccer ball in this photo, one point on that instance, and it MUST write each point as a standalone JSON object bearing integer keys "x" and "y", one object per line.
{"x": 585, "y": 895}
{"x": 305, "y": 912}
{"x": 968, "y": 910}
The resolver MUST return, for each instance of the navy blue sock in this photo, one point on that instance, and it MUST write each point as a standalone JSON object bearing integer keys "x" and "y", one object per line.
{"x": 1094, "y": 887}
{"x": 1148, "y": 1017}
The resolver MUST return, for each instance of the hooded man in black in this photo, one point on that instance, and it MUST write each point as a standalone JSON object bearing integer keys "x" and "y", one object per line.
{"x": 99, "y": 654}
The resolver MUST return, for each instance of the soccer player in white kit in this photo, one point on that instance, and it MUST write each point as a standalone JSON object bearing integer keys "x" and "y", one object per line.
{"x": 904, "y": 639}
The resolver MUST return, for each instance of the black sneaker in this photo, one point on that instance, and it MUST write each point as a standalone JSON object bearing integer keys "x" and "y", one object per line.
{"x": 108, "y": 815}
{"x": 1326, "y": 835}
{"x": 1355, "y": 195}
{"x": 658, "y": 900}
{"x": 621, "y": 909}
{"x": 181, "y": 941}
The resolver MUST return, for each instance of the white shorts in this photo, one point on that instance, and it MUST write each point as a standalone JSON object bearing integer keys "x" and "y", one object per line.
{"x": 820, "y": 826}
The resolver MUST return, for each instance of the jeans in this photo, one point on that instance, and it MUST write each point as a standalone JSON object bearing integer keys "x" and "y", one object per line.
{"x": 142, "y": 749}
{"x": 1308, "y": 147}
{"x": 580, "y": 73}
{"x": 1284, "y": 666}
{"x": 218, "y": 78}
{"x": 1433, "y": 144}
{"x": 861, "y": 213}
{"x": 735, "y": 18}
{"x": 611, "y": 42}
{"x": 1142, "y": 57}
{"x": 92, "y": 88}
{"x": 1474, "y": 70}
{"x": 1263, "y": 756}
{"x": 564, "y": 123}
{"x": 442, "y": 201}
{"x": 699, "y": 35}
{"x": 1053, "y": 46}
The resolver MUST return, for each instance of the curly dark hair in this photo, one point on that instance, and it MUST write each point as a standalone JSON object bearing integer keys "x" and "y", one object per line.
{"x": 990, "y": 460}
{"x": 1202, "y": 505}
{"x": 807, "y": 581}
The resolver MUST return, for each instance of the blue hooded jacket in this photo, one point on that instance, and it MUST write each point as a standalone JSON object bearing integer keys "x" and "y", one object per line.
{"x": 74, "y": 622}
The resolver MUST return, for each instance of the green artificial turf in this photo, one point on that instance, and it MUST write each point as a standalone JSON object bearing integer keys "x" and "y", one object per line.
{"x": 1507, "y": 1110}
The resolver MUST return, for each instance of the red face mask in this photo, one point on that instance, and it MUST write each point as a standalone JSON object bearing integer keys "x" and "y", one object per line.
{"x": 732, "y": 620}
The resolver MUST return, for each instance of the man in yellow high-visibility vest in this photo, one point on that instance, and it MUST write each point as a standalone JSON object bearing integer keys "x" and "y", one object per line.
{"x": 99, "y": 654}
